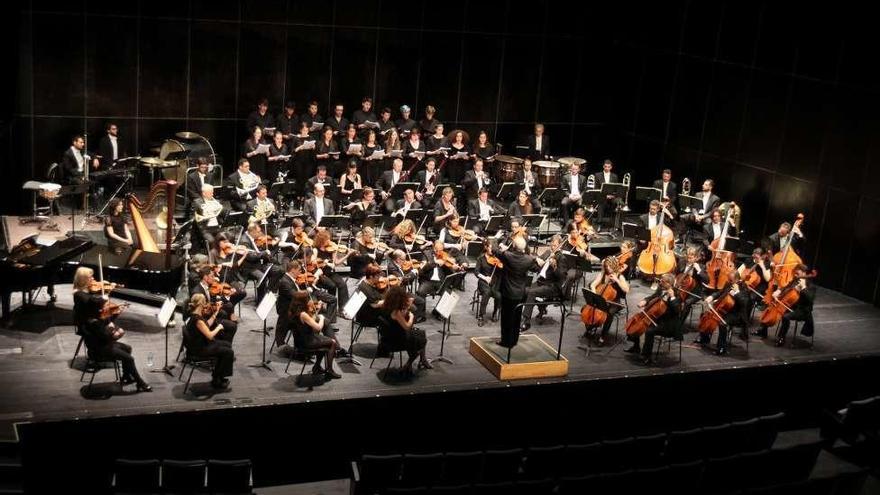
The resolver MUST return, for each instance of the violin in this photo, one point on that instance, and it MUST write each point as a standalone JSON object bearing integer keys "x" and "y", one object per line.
{"x": 227, "y": 250}
{"x": 577, "y": 241}
{"x": 105, "y": 286}
{"x": 304, "y": 240}
{"x": 332, "y": 247}
{"x": 375, "y": 246}
{"x": 446, "y": 259}
{"x": 305, "y": 278}
{"x": 462, "y": 233}
{"x": 211, "y": 308}
{"x": 311, "y": 266}
{"x": 494, "y": 261}
{"x": 412, "y": 238}
{"x": 221, "y": 289}
{"x": 584, "y": 228}
{"x": 111, "y": 310}
{"x": 408, "y": 265}
{"x": 264, "y": 241}
{"x": 384, "y": 282}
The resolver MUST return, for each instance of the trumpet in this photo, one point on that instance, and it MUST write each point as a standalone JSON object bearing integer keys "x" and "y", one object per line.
{"x": 686, "y": 190}
{"x": 627, "y": 177}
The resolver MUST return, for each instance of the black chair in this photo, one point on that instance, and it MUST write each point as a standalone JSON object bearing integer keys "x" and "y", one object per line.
{"x": 741, "y": 433}
{"x": 717, "y": 441}
{"x": 387, "y": 344}
{"x": 686, "y": 477}
{"x": 580, "y": 460}
{"x": 535, "y": 487}
{"x": 502, "y": 465}
{"x": 684, "y": 446}
{"x": 183, "y": 476}
{"x": 94, "y": 364}
{"x": 78, "y": 330}
{"x": 619, "y": 455}
{"x": 407, "y": 490}
{"x": 205, "y": 363}
{"x": 765, "y": 433}
{"x": 856, "y": 424}
{"x": 794, "y": 463}
{"x": 230, "y": 476}
{"x": 451, "y": 490}
{"x": 376, "y": 472}
{"x": 462, "y": 468}
{"x": 136, "y": 476}
{"x": 505, "y": 488}
{"x": 580, "y": 485}
{"x": 724, "y": 475}
{"x": 660, "y": 340}
{"x": 306, "y": 355}
{"x": 421, "y": 469}
{"x": 543, "y": 462}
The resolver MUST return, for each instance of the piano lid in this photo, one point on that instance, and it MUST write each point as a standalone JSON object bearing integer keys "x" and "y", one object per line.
{"x": 29, "y": 252}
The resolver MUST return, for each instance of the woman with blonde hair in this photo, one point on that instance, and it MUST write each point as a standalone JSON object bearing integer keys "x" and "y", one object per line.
{"x": 201, "y": 336}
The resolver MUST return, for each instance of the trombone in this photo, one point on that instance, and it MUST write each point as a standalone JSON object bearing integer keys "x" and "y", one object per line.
{"x": 627, "y": 177}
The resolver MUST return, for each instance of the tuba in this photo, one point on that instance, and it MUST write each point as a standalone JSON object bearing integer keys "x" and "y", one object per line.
{"x": 686, "y": 190}
{"x": 166, "y": 188}
{"x": 627, "y": 178}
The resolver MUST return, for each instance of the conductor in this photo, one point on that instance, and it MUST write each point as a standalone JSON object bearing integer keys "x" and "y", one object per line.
{"x": 513, "y": 288}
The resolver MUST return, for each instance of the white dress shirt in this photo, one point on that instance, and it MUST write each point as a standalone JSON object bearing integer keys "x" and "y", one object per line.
{"x": 705, "y": 202}
{"x": 319, "y": 209}
{"x": 115, "y": 147}
{"x": 575, "y": 187}
{"x": 485, "y": 211}
{"x": 539, "y": 144}
{"x": 79, "y": 158}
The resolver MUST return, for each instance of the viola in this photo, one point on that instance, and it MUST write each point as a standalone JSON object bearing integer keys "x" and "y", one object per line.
{"x": 584, "y": 227}
{"x": 592, "y": 316}
{"x": 462, "y": 233}
{"x": 226, "y": 250}
{"x": 221, "y": 289}
{"x": 640, "y": 322}
{"x": 384, "y": 282}
{"x": 494, "y": 261}
{"x": 412, "y": 238}
{"x": 332, "y": 247}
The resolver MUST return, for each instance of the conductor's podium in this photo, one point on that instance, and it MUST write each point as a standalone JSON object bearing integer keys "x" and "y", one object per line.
{"x": 530, "y": 358}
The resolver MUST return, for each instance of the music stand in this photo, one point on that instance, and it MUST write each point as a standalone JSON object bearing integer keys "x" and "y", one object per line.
{"x": 227, "y": 193}
{"x": 508, "y": 191}
{"x": 688, "y": 203}
{"x": 495, "y": 223}
{"x": 373, "y": 221}
{"x": 447, "y": 286}
{"x": 473, "y": 250}
{"x": 416, "y": 215}
{"x": 438, "y": 191}
{"x": 235, "y": 218}
{"x": 166, "y": 318}
{"x": 356, "y": 195}
{"x": 334, "y": 221}
{"x": 398, "y": 189}
{"x": 636, "y": 232}
{"x": 550, "y": 195}
{"x": 598, "y": 302}
{"x": 276, "y": 189}
{"x": 617, "y": 190}
{"x": 532, "y": 221}
{"x": 267, "y": 304}
{"x": 648, "y": 194}
{"x": 71, "y": 190}
{"x": 732, "y": 244}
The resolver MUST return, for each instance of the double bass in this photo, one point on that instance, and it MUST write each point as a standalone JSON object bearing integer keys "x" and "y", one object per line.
{"x": 658, "y": 258}
{"x": 784, "y": 263}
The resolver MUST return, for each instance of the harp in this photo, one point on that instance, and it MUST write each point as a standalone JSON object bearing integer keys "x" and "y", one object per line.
{"x": 162, "y": 188}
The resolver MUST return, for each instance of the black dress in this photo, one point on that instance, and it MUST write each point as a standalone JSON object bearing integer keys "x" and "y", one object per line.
{"x": 116, "y": 223}
{"x": 198, "y": 345}
{"x": 276, "y": 166}
{"x": 258, "y": 162}
{"x": 307, "y": 338}
{"x": 396, "y": 337}
{"x": 303, "y": 163}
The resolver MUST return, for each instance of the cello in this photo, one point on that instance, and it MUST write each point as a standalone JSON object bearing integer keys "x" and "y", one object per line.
{"x": 784, "y": 263}
{"x": 713, "y": 316}
{"x": 782, "y": 304}
{"x": 721, "y": 265}
{"x": 657, "y": 258}
{"x": 654, "y": 309}
{"x": 592, "y": 316}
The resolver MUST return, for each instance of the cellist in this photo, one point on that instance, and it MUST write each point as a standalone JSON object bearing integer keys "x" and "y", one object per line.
{"x": 610, "y": 276}
{"x": 691, "y": 274}
{"x": 666, "y": 324}
{"x": 735, "y": 316}
{"x": 802, "y": 310}
{"x": 756, "y": 272}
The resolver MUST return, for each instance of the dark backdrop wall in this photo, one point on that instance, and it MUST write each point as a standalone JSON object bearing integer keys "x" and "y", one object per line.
{"x": 776, "y": 104}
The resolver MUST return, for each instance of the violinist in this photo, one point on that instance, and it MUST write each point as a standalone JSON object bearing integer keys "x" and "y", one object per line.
{"x": 476, "y": 180}
{"x": 480, "y": 210}
{"x": 407, "y": 271}
{"x": 101, "y": 334}
{"x": 454, "y": 236}
{"x": 439, "y": 264}
{"x": 575, "y": 245}
{"x": 204, "y": 334}
{"x": 334, "y": 256}
{"x": 404, "y": 237}
{"x": 666, "y": 324}
{"x": 516, "y": 230}
{"x": 611, "y": 277}
{"x": 258, "y": 257}
{"x": 312, "y": 331}
{"x": 583, "y": 226}
{"x": 226, "y": 295}
{"x": 370, "y": 287}
{"x": 308, "y": 281}
{"x": 549, "y": 283}
{"x": 402, "y": 330}
{"x": 445, "y": 208}
{"x": 291, "y": 239}
{"x": 802, "y": 310}
{"x": 367, "y": 250}
{"x": 295, "y": 279}
{"x": 428, "y": 180}
{"x": 488, "y": 271}
{"x": 736, "y": 315}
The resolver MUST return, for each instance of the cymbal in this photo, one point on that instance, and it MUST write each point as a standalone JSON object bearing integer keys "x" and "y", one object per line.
{"x": 571, "y": 160}
{"x": 187, "y": 135}
{"x": 508, "y": 159}
{"x": 154, "y": 162}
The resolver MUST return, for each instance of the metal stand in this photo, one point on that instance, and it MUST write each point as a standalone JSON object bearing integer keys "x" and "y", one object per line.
{"x": 264, "y": 363}
{"x": 446, "y": 332}
{"x": 112, "y": 196}
{"x": 167, "y": 368}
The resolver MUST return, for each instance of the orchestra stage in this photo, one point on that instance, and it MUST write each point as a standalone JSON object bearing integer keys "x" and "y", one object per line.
{"x": 39, "y": 385}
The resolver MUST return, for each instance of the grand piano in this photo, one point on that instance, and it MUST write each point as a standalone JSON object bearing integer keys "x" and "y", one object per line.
{"x": 30, "y": 265}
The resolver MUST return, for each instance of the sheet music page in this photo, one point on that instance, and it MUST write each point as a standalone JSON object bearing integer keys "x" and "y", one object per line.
{"x": 355, "y": 148}
{"x": 266, "y": 305}
{"x": 377, "y": 155}
{"x": 447, "y": 303}
{"x": 166, "y": 312}
{"x": 316, "y": 126}
{"x": 354, "y": 304}
{"x": 263, "y": 148}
